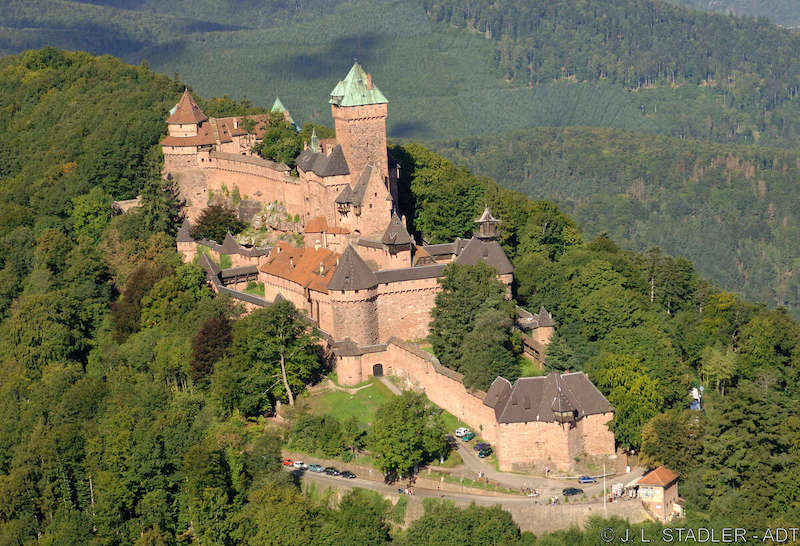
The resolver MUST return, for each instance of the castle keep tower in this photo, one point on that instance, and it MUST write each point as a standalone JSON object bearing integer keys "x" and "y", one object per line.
{"x": 359, "y": 113}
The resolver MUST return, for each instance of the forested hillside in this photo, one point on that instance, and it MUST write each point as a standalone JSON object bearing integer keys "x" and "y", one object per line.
{"x": 136, "y": 397}
{"x": 781, "y": 12}
{"x": 730, "y": 209}
{"x": 635, "y": 65}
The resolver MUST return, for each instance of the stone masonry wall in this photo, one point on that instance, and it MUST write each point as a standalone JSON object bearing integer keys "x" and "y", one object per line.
{"x": 446, "y": 392}
{"x": 361, "y": 130}
{"x": 404, "y": 308}
{"x": 383, "y": 258}
{"x": 597, "y": 438}
{"x": 355, "y": 315}
{"x": 522, "y": 446}
{"x": 258, "y": 187}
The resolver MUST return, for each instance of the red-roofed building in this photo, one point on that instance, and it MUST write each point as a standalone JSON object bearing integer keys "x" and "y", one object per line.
{"x": 659, "y": 493}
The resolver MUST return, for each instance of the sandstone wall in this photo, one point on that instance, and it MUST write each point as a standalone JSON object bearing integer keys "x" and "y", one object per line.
{"x": 525, "y": 446}
{"x": 355, "y": 315}
{"x": 404, "y": 308}
{"x": 597, "y": 438}
{"x": 257, "y": 183}
{"x": 291, "y": 291}
{"x": 361, "y": 130}
{"x": 446, "y": 392}
{"x": 383, "y": 258}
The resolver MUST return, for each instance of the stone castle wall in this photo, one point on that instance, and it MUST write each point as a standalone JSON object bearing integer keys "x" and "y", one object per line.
{"x": 361, "y": 130}
{"x": 596, "y": 437}
{"x": 446, "y": 391}
{"x": 383, "y": 259}
{"x": 523, "y": 446}
{"x": 519, "y": 446}
{"x": 404, "y": 308}
{"x": 355, "y": 315}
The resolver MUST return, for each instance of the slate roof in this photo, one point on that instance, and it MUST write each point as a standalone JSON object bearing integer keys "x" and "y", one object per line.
{"x": 356, "y": 89}
{"x": 355, "y": 195}
{"x": 323, "y": 165}
{"x": 396, "y": 233}
{"x": 661, "y": 476}
{"x": 410, "y": 273}
{"x": 536, "y": 398}
{"x": 187, "y": 111}
{"x": 486, "y": 251}
{"x": 302, "y": 266}
{"x": 352, "y": 273}
{"x": 230, "y": 245}
{"x": 184, "y": 234}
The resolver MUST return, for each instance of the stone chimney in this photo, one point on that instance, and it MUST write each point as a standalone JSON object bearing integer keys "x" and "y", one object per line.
{"x": 369, "y": 81}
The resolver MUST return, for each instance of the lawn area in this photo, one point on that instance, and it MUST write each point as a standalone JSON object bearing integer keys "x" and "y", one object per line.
{"x": 255, "y": 289}
{"x": 342, "y": 405}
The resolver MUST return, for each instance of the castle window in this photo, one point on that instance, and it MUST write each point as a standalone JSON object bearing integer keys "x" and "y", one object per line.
{"x": 370, "y": 205}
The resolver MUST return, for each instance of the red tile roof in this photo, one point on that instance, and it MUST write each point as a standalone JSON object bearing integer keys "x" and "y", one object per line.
{"x": 661, "y": 476}
{"x": 187, "y": 111}
{"x": 319, "y": 224}
{"x": 302, "y": 266}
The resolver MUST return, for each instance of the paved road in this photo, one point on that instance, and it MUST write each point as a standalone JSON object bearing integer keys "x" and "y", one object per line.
{"x": 546, "y": 487}
{"x": 418, "y": 491}
{"x": 390, "y": 385}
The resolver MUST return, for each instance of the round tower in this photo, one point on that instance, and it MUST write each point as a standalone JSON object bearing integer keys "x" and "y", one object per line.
{"x": 353, "y": 291}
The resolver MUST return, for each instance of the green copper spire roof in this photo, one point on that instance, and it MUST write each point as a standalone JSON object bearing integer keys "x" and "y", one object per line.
{"x": 314, "y": 140}
{"x": 356, "y": 89}
{"x": 278, "y": 106}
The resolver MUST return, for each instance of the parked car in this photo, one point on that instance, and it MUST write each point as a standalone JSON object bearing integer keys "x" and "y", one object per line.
{"x": 569, "y": 491}
{"x": 330, "y": 471}
{"x": 316, "y": 468}
{"x": 287, "y": 462}
{"x": 480, "y": 446}
{"x": 300, "y": 465}
{"x": 483, "y": 453}
{"x": 586, "y": 479}
{"x": 461, "y": 431}
{"x": 347, "y": 474}
{"x": 469, "y": 435}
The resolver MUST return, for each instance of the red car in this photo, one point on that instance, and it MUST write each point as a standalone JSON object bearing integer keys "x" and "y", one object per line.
{"x": 287, "y": 462}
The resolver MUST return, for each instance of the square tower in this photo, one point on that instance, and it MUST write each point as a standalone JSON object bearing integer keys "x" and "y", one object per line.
{"x": 359, "y": 113}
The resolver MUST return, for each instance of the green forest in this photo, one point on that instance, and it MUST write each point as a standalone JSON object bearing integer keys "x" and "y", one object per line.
{"x": 727, "y": 208}
{"x": 139, "y": 397}
{"x": 781, "y": 12}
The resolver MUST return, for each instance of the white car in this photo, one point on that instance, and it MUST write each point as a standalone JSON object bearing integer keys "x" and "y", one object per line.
{"x": 300, "y": 464}
{"x": 461, "y": 431}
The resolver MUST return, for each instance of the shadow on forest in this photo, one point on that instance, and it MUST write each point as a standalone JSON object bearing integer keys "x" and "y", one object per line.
{"x": 408, "y": 129}
{"x": 336, "y": 57}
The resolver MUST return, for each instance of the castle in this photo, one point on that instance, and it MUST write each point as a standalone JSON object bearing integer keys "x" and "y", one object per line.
{"x": 363, "y": 279}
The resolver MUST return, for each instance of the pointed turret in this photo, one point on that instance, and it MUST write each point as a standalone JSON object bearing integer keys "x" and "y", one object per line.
{"x": 187, "y": 111}
{"x": 278, "y": 106}
{"x": 357, "y": 89}
{"x": 352, "y": 273}
{"x": 396, "y": 233}
{"x": 314, "y": 140}
{"x": 487, "y": 225}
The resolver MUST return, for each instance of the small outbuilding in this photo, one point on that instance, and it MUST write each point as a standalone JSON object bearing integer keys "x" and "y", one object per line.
{"x": 659, "y": 493}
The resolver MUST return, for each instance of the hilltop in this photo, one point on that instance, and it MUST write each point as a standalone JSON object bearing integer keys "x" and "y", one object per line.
{"x": 142, "y": 400}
